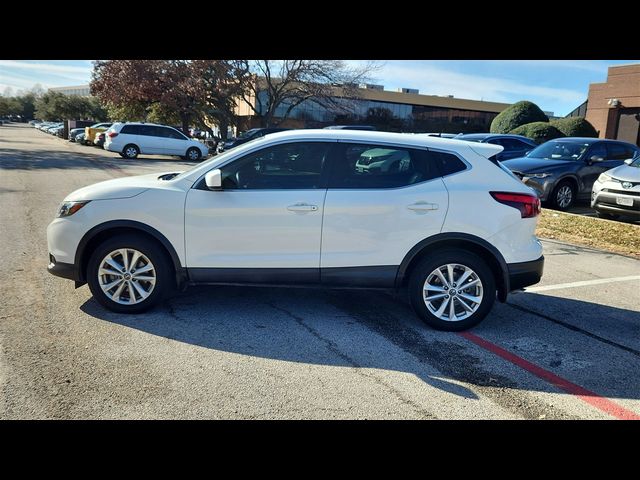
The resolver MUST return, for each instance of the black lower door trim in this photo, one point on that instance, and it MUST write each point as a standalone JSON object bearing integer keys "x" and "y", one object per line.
{"x": 382, "y": 276}
{"x": 267, "y": 276}
{"x": 379, "y": 276}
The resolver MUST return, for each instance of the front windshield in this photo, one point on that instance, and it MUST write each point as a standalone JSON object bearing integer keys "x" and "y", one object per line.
{"x": 560, "y": 151}
{"x": 248, "y": 133}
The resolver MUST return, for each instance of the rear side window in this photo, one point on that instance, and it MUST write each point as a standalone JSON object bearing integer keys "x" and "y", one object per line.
{"x": 363, "y": 166}
{"x": 131, "y": 129}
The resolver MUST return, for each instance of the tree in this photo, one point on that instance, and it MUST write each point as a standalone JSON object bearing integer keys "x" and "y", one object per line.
{"x": 169, "y": 90}
{"x": 519, "y": 113}
{"x": 58, "y": 106}
{"x": 575, "y": 127}
{"x": 539, "y": 132}
{"x": 279, "y": 86}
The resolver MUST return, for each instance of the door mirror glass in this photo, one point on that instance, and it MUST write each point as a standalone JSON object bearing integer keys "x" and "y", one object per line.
{"x": 213, "y": 179}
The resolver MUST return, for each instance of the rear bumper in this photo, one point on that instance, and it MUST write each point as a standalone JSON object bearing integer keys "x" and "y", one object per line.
{"x": 525, "y": 274}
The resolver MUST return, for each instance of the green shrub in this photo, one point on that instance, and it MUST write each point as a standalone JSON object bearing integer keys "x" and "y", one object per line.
{"x": 575, "y": 127}
{"x": 519, "y": 113}
{"x": 539, "y": 132}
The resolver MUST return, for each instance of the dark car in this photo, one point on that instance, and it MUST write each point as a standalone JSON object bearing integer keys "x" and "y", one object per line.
{"x": 74, "y": 132}
{"x": 564, "y": 170}
{"x": 247, "y": 137}
{"x": 514, "y": 145}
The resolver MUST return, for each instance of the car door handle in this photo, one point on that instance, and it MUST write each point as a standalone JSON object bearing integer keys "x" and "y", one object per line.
{"x": 422, "y": 206}
{"x": 302, "y": 207}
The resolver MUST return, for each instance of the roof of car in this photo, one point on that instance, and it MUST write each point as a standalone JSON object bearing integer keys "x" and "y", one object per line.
{"x": 581, "y": 139}
{"x": 493, "y": 135}
{"x": 378, "y": 137}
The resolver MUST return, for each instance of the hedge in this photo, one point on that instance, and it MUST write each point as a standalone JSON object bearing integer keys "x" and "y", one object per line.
{"x": 520, "y": 113}
{"x": 539, "y": 132}
{"x": 575, "y": 127}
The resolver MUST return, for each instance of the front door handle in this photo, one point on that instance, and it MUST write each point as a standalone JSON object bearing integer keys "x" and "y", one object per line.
{"x": 423, "y": 206}
{"x": 302, "y": 207}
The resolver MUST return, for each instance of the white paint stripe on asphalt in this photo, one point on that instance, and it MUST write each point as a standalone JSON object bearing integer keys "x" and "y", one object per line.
{"x": 584, "y": 283}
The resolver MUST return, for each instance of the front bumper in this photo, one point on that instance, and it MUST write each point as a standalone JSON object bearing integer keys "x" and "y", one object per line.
{"x": 525, "y": 274}
{"x": 542, "y": 186}
{"x": 605, "y": 198}
{"x": 63, "y": 270}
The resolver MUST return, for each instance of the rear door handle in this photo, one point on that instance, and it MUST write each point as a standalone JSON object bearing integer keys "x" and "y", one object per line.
{"x": 423, "y": 206}
{"x": 302, "y": 207}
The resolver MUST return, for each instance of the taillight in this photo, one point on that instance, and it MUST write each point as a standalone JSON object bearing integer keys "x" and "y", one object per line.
{"x": 529, "y": 205}
{"x": 112, "y": 134}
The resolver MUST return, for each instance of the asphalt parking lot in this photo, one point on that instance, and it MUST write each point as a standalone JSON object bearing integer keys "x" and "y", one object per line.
{"x": 568, "y": 348}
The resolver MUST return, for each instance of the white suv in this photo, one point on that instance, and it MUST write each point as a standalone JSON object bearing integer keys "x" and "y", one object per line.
{"x": 296, "y": 208}
{"x": 132, "y": 139}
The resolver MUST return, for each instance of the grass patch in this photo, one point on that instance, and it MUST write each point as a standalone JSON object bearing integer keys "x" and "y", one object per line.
{"x": 593, "y": 232}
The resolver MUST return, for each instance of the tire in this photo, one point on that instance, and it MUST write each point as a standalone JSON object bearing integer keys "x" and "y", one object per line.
{"x": 485, "y": 289}
{"x": 607, "y": 216}
{"x": 193, "y": 154}
{"x": 122, "y": 155}
{"x": 151, "y": 253}
{"x": 130, "y": 151}
{"x": 563, "y": 196}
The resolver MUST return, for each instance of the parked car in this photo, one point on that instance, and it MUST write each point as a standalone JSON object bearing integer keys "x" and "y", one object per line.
{"x": 514, "y": 145}
{"x": 564, "y": 170}
{"x": 257, "y": 214}
{"x": 34, "y": 122}
{"x": 74, "y": 132}
{"x": 98, "y": 141}
{"x": 91, "y": 132}
{"x": 617, "y": 191}
{"x": 80, "y": 138}
{"x": 350, "y": 127}
{"x": 247, "y": 137}
{"x": 132, "y": 139}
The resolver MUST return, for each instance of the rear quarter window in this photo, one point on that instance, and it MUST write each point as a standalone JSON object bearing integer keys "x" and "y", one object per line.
{"x": 131, "y": 129}
{"x": 447, "y": 163}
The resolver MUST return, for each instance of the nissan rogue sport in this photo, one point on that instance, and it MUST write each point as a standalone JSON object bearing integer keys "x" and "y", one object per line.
{"x": 438, "y": 219}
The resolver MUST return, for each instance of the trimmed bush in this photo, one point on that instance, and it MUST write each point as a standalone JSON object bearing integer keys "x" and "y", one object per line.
{"x": 519, "y": 113}
{"x": 539, "y": 132}
{"x": 575, "y": 127}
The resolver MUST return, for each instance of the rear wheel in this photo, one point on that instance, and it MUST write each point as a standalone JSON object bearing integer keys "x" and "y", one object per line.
{"x": 128, "y": 274}
{"x": 563, "y": 196}
{"x": 452, "y": 290}
{"x": 130, "y": 151}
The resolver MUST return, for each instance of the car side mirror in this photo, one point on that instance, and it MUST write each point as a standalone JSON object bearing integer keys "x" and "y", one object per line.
{"x": 595, "y": 159}
{"x": 213, "y": 179}
{"x": 629, "y": 161}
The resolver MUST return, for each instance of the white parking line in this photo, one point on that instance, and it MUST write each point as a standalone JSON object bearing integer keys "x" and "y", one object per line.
{"x": 582, "y": 284}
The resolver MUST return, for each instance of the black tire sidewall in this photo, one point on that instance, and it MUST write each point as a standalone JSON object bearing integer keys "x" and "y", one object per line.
{"x": 149, "y": 248}
{"x": 443, "y": 257}
{"x": 554, "y": 195}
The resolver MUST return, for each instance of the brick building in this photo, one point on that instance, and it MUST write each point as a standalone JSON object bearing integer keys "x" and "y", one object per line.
{"x": 613, "y": 107}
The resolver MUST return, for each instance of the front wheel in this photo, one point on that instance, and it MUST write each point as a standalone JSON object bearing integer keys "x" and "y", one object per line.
{"x": 563, "y": 196}
{"x": 193, "y": 154}
{"x": 128, "y": 274}
{"x": 452, "y": 290}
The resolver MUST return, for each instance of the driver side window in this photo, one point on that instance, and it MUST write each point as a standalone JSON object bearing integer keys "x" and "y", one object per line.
{"x": 286, "y": 166}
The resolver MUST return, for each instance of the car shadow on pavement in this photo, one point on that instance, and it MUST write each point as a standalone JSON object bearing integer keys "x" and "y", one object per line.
{"x": 44, "y": 159}
{"x": 334, "y": 327}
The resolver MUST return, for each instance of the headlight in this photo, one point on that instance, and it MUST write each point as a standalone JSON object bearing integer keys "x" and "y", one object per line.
{"x": 69, "y": 208}
{"x": 604, "y": 178}
{"x": 538, "y": 175}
